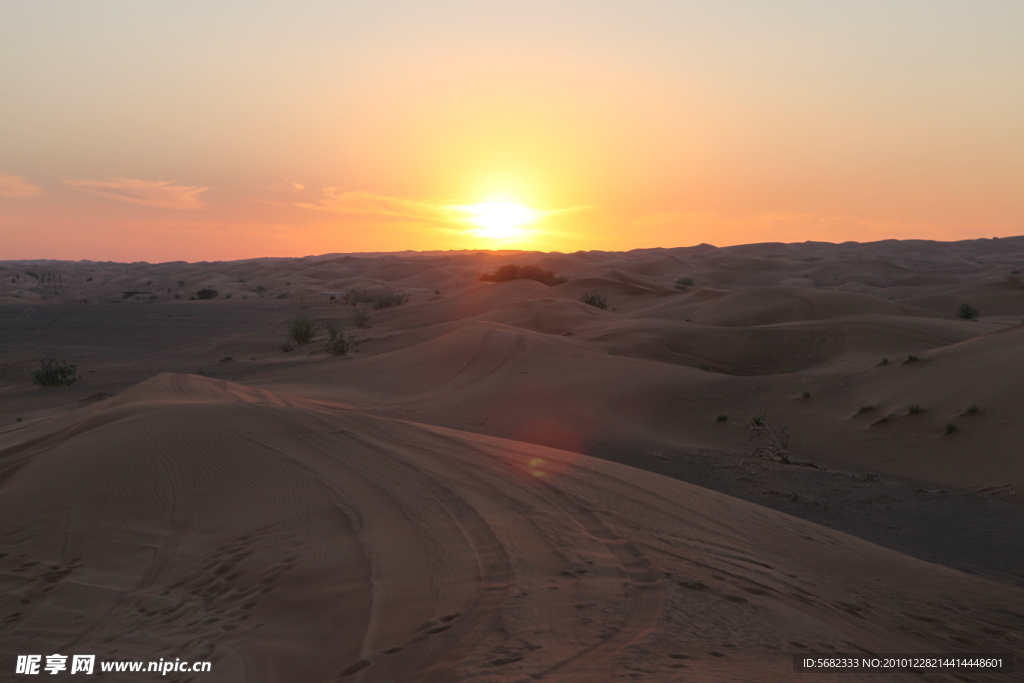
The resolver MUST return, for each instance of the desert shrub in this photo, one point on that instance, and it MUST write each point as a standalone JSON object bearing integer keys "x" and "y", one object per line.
{"x": 511, "y": 271}
{"x": 129, "y": 295}
{"x": 703, "y": 366}
{"x": 227, "y": 296}
{"x": 722, "y": 418}
{"x": 286, "y": 346}
{"x": 972, "y": 409}
{"x": 807, "y": 394}
{"x": 966, "y": 311}
{"x": 260, "y": 289}
{"x": 684, "y": 282}
{"x": 355, "y": 296}
{"x": 885, "y": 361}
{"x": 915, "y": 409}
{"x": 389, "y": 300}
{"x": 769, "y": 442}
{"x": 360, "y": 316}
{"x": 153, "y": 297}
{"x": 339, "y": 342}
{"x": 177, "y": 295}
{"x": 301, "y": 330}
{"x": 52, "y": 373}
{"x": 865, "y": 408}
{"x": 594, "y": 299}
{"x": 181, "y": 283}
{"x": 912, "y": 358}
{"x": 950, "y": 427}
{"x": 282, "y": 295}
{"x": 206, "y": 293}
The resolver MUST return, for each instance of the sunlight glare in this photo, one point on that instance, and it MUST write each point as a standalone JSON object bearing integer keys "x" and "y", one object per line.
{"x": 500, "y": 220}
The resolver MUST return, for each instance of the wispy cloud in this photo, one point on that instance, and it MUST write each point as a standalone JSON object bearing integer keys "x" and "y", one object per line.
{"x": 15, "y": 187}
{"x": 288, "y": 186}
{"x": 446, "y": 217}
{"x": 164, "y": 194}
{"x": 381, "y": 207}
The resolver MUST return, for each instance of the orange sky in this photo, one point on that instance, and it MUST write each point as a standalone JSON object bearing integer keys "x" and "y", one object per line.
{"x": 219, "y": 130}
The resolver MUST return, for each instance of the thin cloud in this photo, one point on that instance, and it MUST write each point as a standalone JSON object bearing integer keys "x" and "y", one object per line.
{"x": 288, "y": 186}
{"x": 441, "y": 216}
{"x": 380, "y": 207}
{"x": 15, "y": 187}
{"x": 164, "y": 194}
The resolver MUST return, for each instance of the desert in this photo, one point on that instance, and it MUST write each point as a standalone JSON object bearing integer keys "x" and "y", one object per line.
{"x": 546, "y": 341}
{"x": 728, "y": 456}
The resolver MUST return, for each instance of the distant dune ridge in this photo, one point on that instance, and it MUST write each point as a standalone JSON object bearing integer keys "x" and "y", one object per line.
{"x": 477, "y": 491}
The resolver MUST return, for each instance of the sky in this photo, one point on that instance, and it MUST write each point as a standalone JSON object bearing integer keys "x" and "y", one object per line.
{"x": 224, "y": 129}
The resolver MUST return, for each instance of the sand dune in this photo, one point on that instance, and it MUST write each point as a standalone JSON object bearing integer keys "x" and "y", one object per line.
{"x": 292, "y": 540}
{"x": 498, "y": 483}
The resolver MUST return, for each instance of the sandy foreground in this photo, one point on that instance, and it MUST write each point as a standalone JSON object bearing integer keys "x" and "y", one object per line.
{"x": 502, "y": 483}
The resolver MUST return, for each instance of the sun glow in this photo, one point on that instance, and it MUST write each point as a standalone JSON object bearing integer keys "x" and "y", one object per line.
{"x": 499, "y": 220}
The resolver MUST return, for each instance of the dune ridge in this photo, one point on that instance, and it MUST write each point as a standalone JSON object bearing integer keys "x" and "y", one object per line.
{"x": 290, "y": 539}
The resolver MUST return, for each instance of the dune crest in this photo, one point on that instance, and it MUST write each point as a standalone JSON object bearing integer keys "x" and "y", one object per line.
{"x": 290, "y": 539}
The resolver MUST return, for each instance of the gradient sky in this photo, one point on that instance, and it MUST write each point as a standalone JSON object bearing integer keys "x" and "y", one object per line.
{"x": 201, "y": 130}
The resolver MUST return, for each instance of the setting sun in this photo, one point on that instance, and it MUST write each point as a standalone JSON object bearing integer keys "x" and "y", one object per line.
{"x": 499, "y": 220}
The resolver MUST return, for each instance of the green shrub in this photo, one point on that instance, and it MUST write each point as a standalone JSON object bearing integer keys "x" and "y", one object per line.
{"x": 206, "y": 293}
{"x": 512, "y": 271}
{"x": 865, "y": 408}
{"x": 52, "y": 373}
{"x": 389, "y": 300}
{"x": 722, "y": 418}
{"x": 684, "y": 282}
{"x": 594, "y": 299}
{"x": 360, "y": 317}
{"x": 702, "y": 366}
{"x": 972, "y": 409}
{"x": 915, "y": 409}
{"x": 339, "y": 342}
{"x": 807, "y": 394}
{"x": 950, "y": 427}
{"x": 966, "y": 311}
{"x": 912, "y": 358}
{"x": 885, "y": 361}
{"x": 302, "y": 330}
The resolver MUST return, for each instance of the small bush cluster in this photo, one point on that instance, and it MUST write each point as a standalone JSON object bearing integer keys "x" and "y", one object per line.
{"x": 52, "y": 373}
{"x": 512, "y": 271}
{"x": 301, "y": 330}
{"x": 339, "y": 342}
{"x": 206, "y": 293}
{"x": 684, "y": 282}
{"x": 966, "y": 311}
{"x": 388, "y": 300}
{"x": 360, "y": 317}
{"x": 594, "y": 299}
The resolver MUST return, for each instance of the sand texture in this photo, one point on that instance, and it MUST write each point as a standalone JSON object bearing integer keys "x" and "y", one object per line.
{"x": 502, "y": 483}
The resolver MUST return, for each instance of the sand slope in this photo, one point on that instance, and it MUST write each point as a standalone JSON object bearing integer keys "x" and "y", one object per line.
{"x": 289, "y": 539}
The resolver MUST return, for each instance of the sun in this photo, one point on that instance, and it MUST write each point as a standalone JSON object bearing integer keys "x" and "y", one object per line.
{"x": 499, "y": 220}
